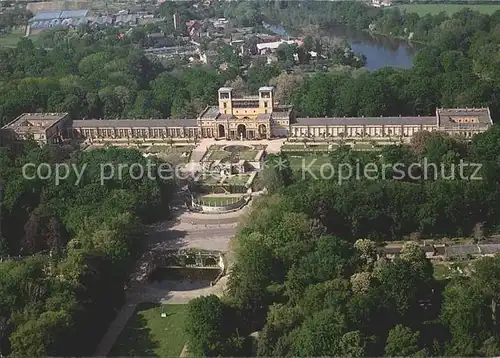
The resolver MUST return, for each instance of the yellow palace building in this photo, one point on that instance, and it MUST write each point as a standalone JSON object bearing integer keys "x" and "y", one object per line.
{"x": 246, "y": 117}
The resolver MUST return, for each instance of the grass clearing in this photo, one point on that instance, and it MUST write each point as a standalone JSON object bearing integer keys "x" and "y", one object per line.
{"x": 147, "y": 334}
{"x": 11, "y": 39}
{"x": 433, "y": 9}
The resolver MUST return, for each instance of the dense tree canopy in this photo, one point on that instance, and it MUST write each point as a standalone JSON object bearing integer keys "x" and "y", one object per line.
{"x": 84, "y": 235}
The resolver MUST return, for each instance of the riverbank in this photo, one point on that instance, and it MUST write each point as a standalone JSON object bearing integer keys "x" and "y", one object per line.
{"x": 399, "y": 38}
{"x": 380, "y": 50}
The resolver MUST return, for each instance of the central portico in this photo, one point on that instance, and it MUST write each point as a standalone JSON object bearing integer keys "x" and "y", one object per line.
{"x": 246, "y": 117}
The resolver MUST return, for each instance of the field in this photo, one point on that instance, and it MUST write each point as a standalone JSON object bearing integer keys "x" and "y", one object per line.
{"x": 148, "y": 334}
{"x": 433, "y": 9}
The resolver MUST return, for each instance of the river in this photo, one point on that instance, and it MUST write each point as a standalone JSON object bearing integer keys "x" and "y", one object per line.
{"x": 380, "y": 51}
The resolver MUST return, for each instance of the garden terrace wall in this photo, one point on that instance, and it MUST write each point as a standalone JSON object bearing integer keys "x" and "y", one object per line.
{"x": 223, "y": 208}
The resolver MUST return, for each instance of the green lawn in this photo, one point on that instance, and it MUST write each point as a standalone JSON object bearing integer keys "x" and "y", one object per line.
{"x": 433, "y": 9}
{"x": 217, "y": 155}
{"x": 441, "y": 271}
{"x": 10, "y": 40}
{"x": 209, "y": 180}
{"x": 364, "y": 146}
{"x": 172, "y": 149}
{"x": 248, "y": 155}
{"x": 322, "y": 147}
{"x": 311, "y": 147}
{"x": 173, "y": 155}
{"x": 298, "y": 163}
{"x": 223, "y": 154}
{"x": 240, "y": 179}
{"x": 148, "y": 334}
{"x": 216, "y": 147}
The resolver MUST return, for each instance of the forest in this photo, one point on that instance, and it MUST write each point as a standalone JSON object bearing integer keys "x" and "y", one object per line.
{"x": 76, "y": 243}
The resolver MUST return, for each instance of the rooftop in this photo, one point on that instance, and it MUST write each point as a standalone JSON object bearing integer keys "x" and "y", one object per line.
{"x": 66, "y": 14}
{"x": 353, "y": 121}
{"x": 129, "y": 123}
{"x": 263, "y": 117}
{"x": 34, "y": 122}
{"x": 273, "y": 45}
{"x": 458, "y": 250}
{"x": 210, "y": 112}
{"x": 449, "y": 116}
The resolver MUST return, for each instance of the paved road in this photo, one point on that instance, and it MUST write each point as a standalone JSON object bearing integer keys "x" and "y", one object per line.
{"x": 185, "y": 235}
